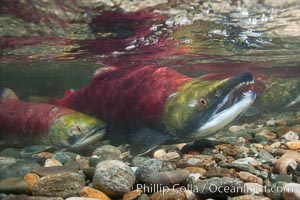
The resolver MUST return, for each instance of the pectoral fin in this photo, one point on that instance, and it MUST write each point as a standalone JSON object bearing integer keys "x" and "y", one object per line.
{"x": 144, "y": 140}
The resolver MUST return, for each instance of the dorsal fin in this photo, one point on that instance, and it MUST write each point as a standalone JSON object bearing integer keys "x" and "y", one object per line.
{"x": 101, "y": 71}
{"x": 8, "y": 94}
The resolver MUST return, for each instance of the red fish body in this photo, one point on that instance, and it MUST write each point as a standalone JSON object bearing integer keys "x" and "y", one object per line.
{"x": 175, "y": 105}
{"x": 25, "y": 122}
{"x": 120, "y": 95}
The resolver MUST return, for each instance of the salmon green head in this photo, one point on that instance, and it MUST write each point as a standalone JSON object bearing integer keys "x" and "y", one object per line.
{"x": 201, "y": 107}
{"x": 75, "y": 130}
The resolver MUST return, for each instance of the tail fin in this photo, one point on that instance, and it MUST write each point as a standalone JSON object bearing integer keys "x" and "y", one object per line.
{"x": 63, "y": 101}
{"x": 8, "y": 94}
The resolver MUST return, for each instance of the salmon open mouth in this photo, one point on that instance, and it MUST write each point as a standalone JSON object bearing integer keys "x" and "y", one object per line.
{"x": 231, "y": 105}
{"x": 89, "y": 138}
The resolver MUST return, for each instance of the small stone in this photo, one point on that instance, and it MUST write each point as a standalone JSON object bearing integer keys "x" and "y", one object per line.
{"x": 244, "y": 160}
{"x": 195, "y": 170}
{"x": 6, "y": 161}
{"x": 267, "y": 134}
{"x": 293, "y": 145}
{"x": 291, "y": 191}
{"x": 215, "y": 187}
{"x": 83, "y": 162}
{"x": 275, "y": 145}
{"x": 255, "y": 163}
{"x": 168, "y": 195}
{"x": 254, "y": 188}
{"x": 18, "y": 169}
{"x": 169, "y": 179}
{"x": 250, "y": 197}
{"x": 159, "y": 153}
{"x": 81, "y": 198}
{"x": 95, "y": 160}
{"x": 31, "y": 179}
{"x": 220, "y": 172}
{"x": 148, "y": 169}
{"x": 291, "y": 136}
{"x": 113, "y": 177}
{"x": 10, "y": 152}
{"x": 93, "y": 193}
{"x": 171, "y": 156}
{"x": 270, "y": 122}
{"x": 45, "y": 155}
{"x": 283, "y": 177}
{"x": 52, "y": 163}
{"x": 89, "y": 172}
{"x": 13, "y": 186}
{"x": 234, "y": 129}
{"x": 139, "y": 161}
{"x": 248, "y": 177}
{"x": 108, "y": 152}
{"x": 59, "y": 185}
{"x": 144, "y": 197}
{"x": 64, "y": 157}
{"x": 239, "y": 167}
{"x": 132, "y": 195}
{"x": 275, "y": 190}
{"x": 265, "y": 155}
{"x": 72, "y": 164}
{"x": 25, "y": 197}
{"x": 44, "y": 171}
{"x": 281, "y": 165}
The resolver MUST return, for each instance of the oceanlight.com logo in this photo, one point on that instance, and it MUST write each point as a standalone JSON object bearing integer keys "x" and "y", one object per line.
{"x": 214, "y": 189}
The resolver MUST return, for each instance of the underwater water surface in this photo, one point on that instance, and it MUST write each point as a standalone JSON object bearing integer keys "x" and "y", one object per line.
{"x": 49, "y": 47}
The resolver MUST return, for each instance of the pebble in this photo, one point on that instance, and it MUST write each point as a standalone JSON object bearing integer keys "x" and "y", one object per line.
{"x": 248, "y": 177}
{"x": 45, "y": 155}
{"x": 64, "y": 157}
{"x": 195, "y": 170}
{"x": 139, "y": 161}
{"x": 95, "y": 160}
{"x": 269, "y": 135}
{"x": 89, "y": 172}
{"x": 13, "y": 186}
{"x": 149, "y": 168}
{"x": 171, "y": 156}
{"x": 220, "y": 172}
{"x": 274, "y": 191}
{"x": 250, "y": 197}
{"x": 72, "y": 164}
{"x": 293, "y": 145}
{"x": 93, "y": 193}
{"x": 25, "y": 197}
{"x": 81, "y": 198}
{"x": 291, "y": 191}
{"x": 10, "y": 152}
{"x": 291, "y": 136}
{"x": 265, "y": 155}
{"x": 59, "y": 185}
{"x": 108, "y": 152}
{"x": 144, "y": 197}
{"x": 113, "y": 177}
{"x": 132, "y": 194}
{"x": 31, "y": 179}
{"x": 52, "y": 162}
{"x": 235, "y": 128}
{"x": 214, "y": 187}
{"x": 244, "y": 160}
{"x": 6, "y": 161}
{"x": 282, "y": 164}
{"x": 169, "y": 194}
{"x": 254, "y": 188}
{"x": 169, "y": 179}
{"x": 18, "y": 169}
{"x": 44, "y": 171}
{"x": 159, "y": 153}
{"x": 239, "y": 167}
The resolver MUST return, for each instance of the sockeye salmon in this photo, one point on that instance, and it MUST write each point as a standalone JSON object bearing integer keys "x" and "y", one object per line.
{"x": 46, "y": 123}
{"x": 167, "y": 104}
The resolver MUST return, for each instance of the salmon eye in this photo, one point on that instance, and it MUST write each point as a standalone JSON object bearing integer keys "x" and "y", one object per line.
{"x": 202, "y": 102}
{"x": 76, "y": 129}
